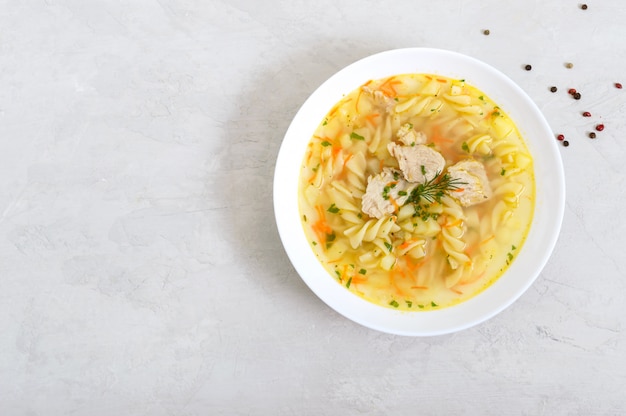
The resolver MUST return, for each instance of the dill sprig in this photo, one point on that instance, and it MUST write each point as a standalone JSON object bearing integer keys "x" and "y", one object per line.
{"x": 432, "y": 190}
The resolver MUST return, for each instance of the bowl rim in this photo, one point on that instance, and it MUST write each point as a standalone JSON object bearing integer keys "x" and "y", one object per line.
{"x": 545, "y": 226}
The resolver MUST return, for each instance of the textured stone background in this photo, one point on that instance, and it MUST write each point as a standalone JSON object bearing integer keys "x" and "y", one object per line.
{"x": 141, "y": 271}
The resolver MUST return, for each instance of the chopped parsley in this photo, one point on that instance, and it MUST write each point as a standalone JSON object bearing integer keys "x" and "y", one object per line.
{"x": 348, "y": 283}
{"x": 356, "y": 136}
{"x": 330, "y": 238}
{"x": 423, "y": 169}
{"x": 502, "y": 172}
{"x": 409, "y": 303}
{"x": 402, "y": 193}
{"x": 465, "y": 147}
{"x": 326, "y": 143}
{"x": 394, "y": 303}
{"x": 362, "y": 271}
{"x": 333, "y": 209}
{"x": 304, "y": 218}
{"x": 389, "y": 246}
{"x": 325, "y": 122}
{"x": 433, "y": 304}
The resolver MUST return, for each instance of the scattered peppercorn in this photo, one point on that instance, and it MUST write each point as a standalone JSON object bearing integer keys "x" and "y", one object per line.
{"x": 600, "y": 127}
{"x": 565, "y": 143}
{"x": 584, "y": 7}
{"x": 592, "y": 135}
{"x": 571, "y": 91}
{"x": 586, "y": 114}
{"x": 618, "y": 85}
{"x": 486, "y": 32}
{"x": 569, "y": 65}
{"x": 560, "y": 137}
{"x": 528, "y": 67}
{"x": 553, "y": 89}
{"x": 577, "y": 96}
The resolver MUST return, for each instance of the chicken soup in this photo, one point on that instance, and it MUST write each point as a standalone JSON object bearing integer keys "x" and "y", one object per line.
{"x": 416, "y": 191}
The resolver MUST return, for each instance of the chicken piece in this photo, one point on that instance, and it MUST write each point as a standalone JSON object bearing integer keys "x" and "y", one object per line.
{"x": 385, "y": 193}
{"x": 380, "y": 99}
{"x": 475, "y": 188}
{"x": 418, "y": 163}
{"x": 409, "y": 136}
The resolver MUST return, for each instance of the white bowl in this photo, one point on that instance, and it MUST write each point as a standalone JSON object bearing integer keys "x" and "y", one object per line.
{"x": 550, "y": 192}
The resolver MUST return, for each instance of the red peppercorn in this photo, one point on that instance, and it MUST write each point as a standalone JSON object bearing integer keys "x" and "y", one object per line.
{"x": 560, "y": 137}
{"x": 571, "y": 91}
{"x": 600, "y": 127}
{"x": 586, "y": 114}
{"x": 618, "y": 85}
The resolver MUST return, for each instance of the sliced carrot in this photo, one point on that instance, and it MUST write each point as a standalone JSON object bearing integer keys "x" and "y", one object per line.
{"x": 453, "y": 224}
{"x": 370, "y": 118}
{"x": 387, "y": 87}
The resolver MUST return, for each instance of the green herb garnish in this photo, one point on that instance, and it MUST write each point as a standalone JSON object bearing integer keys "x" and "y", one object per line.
{"x": 362, "y": 271}
{"x": 465, "y": 147}
{"x": 394, "y": 303}
{"x": 434, "y": 189}
{"x": 326, "y": 143}
{"x": 348, "y": 283}
{"x": 356, "y": 136}
{"x": 333, "y": 209}
{"x": 389, "y": 246}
